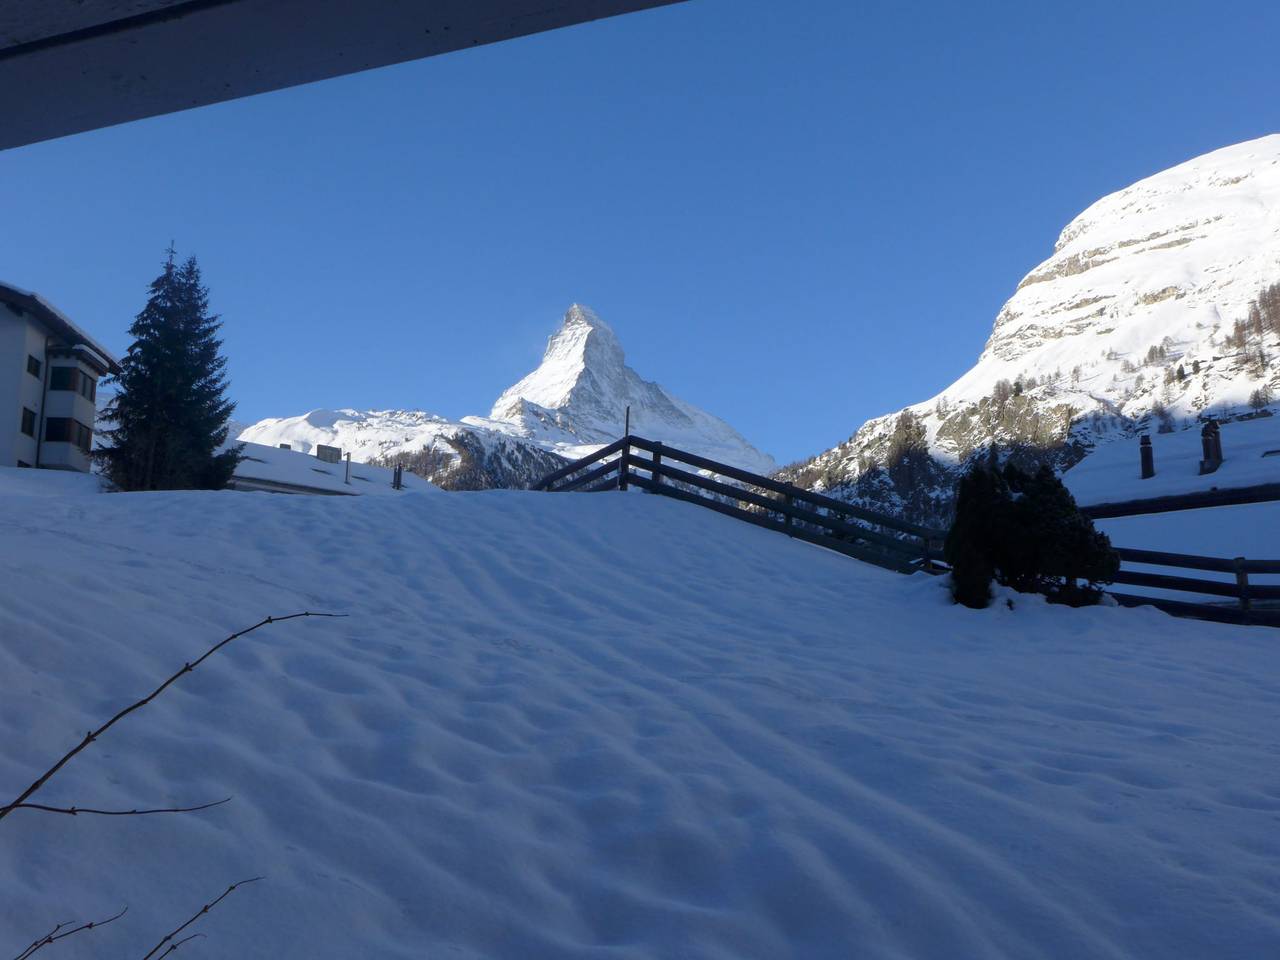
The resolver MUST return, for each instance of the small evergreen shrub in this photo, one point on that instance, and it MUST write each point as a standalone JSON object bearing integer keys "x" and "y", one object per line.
{"x": 1025, "y": 531}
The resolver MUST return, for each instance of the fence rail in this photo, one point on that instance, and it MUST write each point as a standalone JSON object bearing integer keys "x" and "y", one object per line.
{"x": 890, "y": 542}
{"x": 1198, "y": 500}
{"x": 1255, "y": 603}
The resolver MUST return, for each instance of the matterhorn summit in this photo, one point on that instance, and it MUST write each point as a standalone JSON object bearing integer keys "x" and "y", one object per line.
{"x": 583, "y": 366}
{"x": 572, "y": 404}
{"x": 578, "y": 396}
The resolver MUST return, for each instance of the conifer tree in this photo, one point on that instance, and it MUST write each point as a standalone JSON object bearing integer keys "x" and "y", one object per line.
{"x": 981, "y": 503}
{"x": 1025, "y": 531}
{"x": 169, "y": 416}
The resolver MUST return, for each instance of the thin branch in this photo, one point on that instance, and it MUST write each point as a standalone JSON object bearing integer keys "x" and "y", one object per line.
{"x": 177, "y": 943}
{"x": 53, "y": 934}
{"x": 168, "y": 937}
{"x": 76, "y": 811}
{"x": 93, "y": 735}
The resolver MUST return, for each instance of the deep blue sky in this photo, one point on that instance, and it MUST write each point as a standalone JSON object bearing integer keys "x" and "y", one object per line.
{"x": 796, "y": 215}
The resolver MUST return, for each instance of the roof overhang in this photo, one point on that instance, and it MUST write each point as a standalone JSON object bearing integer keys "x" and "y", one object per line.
{"x": 57, "y": 322}
{"x": 67, "y": 66}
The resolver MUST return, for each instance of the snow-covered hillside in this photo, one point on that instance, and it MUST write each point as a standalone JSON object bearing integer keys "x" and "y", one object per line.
{"x": 1129, "y": 325}
{"x": 526, "y": 741}
{"x": 573, "y": 403}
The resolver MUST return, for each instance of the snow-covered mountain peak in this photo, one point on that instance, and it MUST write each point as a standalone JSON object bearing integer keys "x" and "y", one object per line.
{"x": 1146, "y": 316}
{"x": 1174, "y": 254}
{"x": 579, "y": 394}
{"x": 1222, "y": 179}
{"x": 575, "y": 401}
{"x": 583, "y": 356}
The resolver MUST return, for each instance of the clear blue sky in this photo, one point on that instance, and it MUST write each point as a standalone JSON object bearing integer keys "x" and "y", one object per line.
{"x": 795, "y": 215}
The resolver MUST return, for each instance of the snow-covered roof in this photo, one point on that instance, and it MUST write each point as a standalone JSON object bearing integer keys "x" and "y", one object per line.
{"x": 57, "y": 321}
{"x": 271, "y": 468}
{"x": 1112, "y": 473}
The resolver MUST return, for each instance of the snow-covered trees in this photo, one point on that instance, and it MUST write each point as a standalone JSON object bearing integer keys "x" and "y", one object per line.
{"x": 170, "y": 415}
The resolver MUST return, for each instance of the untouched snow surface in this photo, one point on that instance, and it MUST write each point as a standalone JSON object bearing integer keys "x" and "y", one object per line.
{"x": 47, "y": 483}
{"x": 610, "y": 726}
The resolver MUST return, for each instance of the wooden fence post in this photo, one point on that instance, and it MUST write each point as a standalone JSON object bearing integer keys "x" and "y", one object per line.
{"x": 928, "y": 554}
{"x": 1242, "y": 582}
{"x": 786, "y": 517}
{"x": 657, "y": 462}
{"x": 624, "y": 460}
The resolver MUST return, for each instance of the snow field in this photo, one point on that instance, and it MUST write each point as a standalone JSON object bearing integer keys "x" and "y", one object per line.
{"x": 610, "y": 726}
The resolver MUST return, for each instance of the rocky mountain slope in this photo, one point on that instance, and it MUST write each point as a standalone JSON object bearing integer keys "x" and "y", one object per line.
{"x": 1157, "y": 308}
{"x": 574, "y": 402}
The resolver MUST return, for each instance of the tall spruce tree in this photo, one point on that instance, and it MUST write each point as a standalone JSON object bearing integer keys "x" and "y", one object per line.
{"x": 169, "y": 416}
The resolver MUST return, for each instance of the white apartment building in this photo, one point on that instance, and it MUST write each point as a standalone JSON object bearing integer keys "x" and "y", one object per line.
{"x": 49, "y": 371}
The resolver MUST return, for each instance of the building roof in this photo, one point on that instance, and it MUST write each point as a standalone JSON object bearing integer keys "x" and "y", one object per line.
{"x": 57, "y": 321}
{"x": 292, "y": 471}
{"x": 81, "y": 66}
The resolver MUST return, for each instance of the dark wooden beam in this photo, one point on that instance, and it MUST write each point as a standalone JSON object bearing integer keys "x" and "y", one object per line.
{"x": 67, "y": 67}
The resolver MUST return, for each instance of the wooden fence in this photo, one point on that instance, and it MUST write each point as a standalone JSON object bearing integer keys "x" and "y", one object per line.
{"x": 888, "y": 541}
{"x": 1248, "y": 602}
{"x": 1234, "y": 496}
{"x": 852, "y": 530}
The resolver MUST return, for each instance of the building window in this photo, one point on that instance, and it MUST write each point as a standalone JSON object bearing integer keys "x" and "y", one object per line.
{"x": 58, "y": 429}
{"x": 73, "y": 379}
{"x": 67, "y": 430}
{"x": 28, "y": 422}
{"x": 33, "y": 366}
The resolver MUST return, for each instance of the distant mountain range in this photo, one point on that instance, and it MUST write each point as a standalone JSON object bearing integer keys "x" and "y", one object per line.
{"x": 1159, "y": 306}
{"x": 574, "y": 402}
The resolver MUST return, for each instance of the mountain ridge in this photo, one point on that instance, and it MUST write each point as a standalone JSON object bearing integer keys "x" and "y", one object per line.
{"x": 572, "y": 403}
{"x": 1150, "y": 313}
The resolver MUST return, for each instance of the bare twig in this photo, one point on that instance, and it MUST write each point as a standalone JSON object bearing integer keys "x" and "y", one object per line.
{"x": 54, "y": 934}
{"x": 167, "y": 939}
{"x": 76, "y": 811}
{"x": 93, "y": 735}
{"x": 177, "y": 943}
